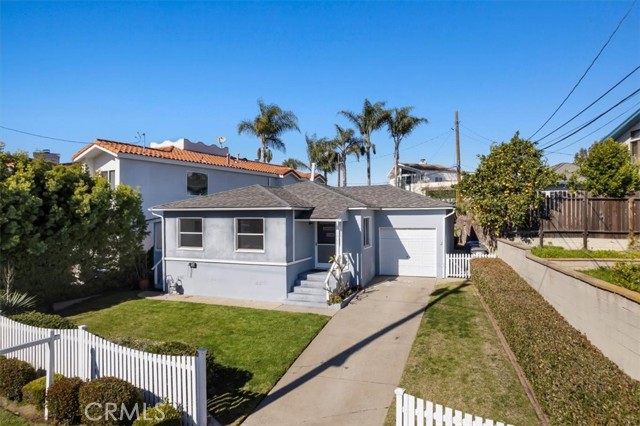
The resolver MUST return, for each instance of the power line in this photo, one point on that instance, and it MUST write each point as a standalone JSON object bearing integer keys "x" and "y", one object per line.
{"x": 590, "y": 105}
{"x": 587, "y": 70}
{"x": 588, "y": 123}
{"x": 475, "y": 139}
{"x": 42, "y": 136}
{"x": 407, "y": 148}
{"x": 590, "y": 133}
{"x": 478, "y": 134}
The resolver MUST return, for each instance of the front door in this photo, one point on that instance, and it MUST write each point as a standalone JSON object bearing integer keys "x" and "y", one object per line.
{"x": 325, "y": 243}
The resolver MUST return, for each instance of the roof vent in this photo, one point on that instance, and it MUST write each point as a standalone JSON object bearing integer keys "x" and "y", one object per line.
{"x": 423, "y": 161}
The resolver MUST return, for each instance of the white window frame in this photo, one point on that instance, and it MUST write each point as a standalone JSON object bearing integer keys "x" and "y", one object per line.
{"x": 179, "y": 233}
{"x": 187, "y": 183}
{"x": 108, "y": 175}
{"x": 366, "y": 231}
{"x": 236, "y": 234}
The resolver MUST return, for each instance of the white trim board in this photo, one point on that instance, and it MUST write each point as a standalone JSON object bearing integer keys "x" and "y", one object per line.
{"x": 236, "y": 262}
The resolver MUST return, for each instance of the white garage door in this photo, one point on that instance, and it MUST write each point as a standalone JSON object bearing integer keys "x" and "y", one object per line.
{"x": 409, "y": 252}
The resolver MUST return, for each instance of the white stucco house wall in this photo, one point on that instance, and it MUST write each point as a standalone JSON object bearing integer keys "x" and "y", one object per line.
{"x": 415, "y": 177}
{"x": 171, "y": 171}
{"x": 265, "y": 243}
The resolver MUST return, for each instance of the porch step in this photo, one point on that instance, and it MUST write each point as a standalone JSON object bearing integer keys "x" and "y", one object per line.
{"x": 303, "y": 297}
{"x": 300, "y": 289}
{"x": 309, "y": 284}
{"x": 321, "y": 305}
{"x": 314, "y": 275}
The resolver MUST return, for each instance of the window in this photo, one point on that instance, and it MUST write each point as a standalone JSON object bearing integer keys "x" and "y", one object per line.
{"x": 189, "y": 233}
{"x": 439, "y": 179}
{"x": 250, "y": 234}
{"x": 110, "y": 176}
{"x": 366, "y": 231}
{"x": 157, "y": 234}
{"x": 197, "y": 183}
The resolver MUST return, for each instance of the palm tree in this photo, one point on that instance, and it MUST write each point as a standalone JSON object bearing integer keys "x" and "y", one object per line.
{"x": 294, "y": 163}
{"x": 400, "y": 124}
{"x": 373, "y": 117}
{"x": 346, "y": 144}
{"x": 268, "y": 126}
{"x": 320, "y": 151}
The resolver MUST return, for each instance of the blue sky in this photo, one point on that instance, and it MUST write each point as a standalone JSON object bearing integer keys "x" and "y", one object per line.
{"x": 89, "y": 70}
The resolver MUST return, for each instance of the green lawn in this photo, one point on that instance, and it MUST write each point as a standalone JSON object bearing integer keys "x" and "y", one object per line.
{"x": 551, "y": 252}
{"x": 608, "y": 275}
{"x": 457, "y": 361}
{"x": 257, "y": 345}
{"x": 9, "y": 419}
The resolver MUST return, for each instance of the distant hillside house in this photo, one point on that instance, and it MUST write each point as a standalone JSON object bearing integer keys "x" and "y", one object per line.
{"x": 171, "y": 171}
{"x": 416, "y": 177}
{"x": 628, "y": 133}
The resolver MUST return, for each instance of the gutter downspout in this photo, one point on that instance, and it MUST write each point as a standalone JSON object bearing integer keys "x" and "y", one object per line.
{"x": 444, "y": 245}
{"x": 162, "y": 257}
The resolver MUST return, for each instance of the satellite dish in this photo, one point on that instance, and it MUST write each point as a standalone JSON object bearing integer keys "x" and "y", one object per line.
{"x": 222, "y": 140}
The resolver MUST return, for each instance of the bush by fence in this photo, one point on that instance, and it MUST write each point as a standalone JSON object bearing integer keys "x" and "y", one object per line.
{"x": 574, "y": 382}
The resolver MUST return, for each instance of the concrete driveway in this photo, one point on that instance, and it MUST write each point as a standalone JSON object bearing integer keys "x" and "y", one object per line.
{"x": 347, "y": 375}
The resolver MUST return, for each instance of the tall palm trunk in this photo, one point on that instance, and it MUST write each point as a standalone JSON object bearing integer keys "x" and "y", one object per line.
{"x": 396, "y": 160}
{"x": 344, "y": 177}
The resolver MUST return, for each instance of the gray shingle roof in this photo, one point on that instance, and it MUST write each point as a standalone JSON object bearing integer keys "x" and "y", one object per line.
{"x": 323, "y": 202}
{"x": 254, "y": 196}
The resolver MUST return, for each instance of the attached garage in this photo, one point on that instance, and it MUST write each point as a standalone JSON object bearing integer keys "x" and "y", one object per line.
{"x": 408, "y": 252}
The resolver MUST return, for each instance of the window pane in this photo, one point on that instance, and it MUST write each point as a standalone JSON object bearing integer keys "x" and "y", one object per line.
{"x": 157, "y": 232}
{"x": 250, "y": 226}
{"x": 365, "y": 231}
{"x": 191, "y": 240}
{"x": 190, "y": 225}
{"x": 197, "y": 183}
{"x": 250, "y": 242}
{"x": 325, "y": 251}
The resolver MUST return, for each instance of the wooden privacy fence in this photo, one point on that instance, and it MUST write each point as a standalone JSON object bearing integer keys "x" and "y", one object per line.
{"x": 412, "y": 411}
{"x": 581, "y": 215}
{"x": 458, "y": 265}
{"x": 78, "y": 353}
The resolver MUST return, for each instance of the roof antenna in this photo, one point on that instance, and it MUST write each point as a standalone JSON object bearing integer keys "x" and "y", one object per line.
{"x": 222, "y": 140}
{"x": 142, "y": 139}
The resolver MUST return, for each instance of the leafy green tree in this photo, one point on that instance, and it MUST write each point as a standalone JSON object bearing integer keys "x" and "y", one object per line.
{"x": 504, "y": 190}
{"x": 372, "y": 118}
{"x": 346, "y": 144}
{"x": 401, "y": 124}
{"x": 294, "y": 163}
{"x": 59, "y": 226}
{"x": 268, "y": 126}
{"x": 606, "y": 169}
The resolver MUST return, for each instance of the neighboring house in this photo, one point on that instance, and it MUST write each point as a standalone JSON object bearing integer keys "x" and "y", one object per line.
{"x": 255, "y": 242}
{"x": 628, "y": 133}
{"x": 565, "y": 170}
{"x": 171, "y": 171}
{"x": 415, "y": 177}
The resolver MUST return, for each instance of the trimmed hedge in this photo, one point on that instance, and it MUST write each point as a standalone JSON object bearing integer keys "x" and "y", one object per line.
{"x": 64, "y": 402}
{"x": 98, "y": 396}
{"x": 163, "y": 414}
{"x": 573, "y": 381}
{"x": 14, "y": 374}
{"x": 34, "y": 391}
{"x": 39, "y": 319}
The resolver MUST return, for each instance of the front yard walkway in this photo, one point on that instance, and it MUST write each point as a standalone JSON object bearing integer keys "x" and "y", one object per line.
{"x": 348, "y": 373}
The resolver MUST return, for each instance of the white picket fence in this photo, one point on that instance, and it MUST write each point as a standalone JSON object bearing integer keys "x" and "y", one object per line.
{"x": 78, "y": 353}
{"x": 458, "y": 265}
{"x": 412, "y": 411}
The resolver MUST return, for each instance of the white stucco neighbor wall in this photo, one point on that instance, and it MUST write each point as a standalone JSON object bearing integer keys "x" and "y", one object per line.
{"x": 608, "y": 315}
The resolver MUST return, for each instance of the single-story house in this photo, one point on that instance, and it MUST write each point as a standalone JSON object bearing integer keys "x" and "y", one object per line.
{"x": 260, "y": 242}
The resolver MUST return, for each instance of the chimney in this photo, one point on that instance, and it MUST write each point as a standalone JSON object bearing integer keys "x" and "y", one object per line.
{"x": 423, "y": 161}
{"x": 228, "y": 159}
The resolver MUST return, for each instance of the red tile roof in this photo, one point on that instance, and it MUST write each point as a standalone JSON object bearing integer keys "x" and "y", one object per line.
{"x": 177, "y": 154}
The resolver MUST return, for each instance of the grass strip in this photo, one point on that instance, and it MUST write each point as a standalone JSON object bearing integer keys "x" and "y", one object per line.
{"x": 573, "y": 381}
{"x": 457, "y": 361}
{"x": 555, "y": 252}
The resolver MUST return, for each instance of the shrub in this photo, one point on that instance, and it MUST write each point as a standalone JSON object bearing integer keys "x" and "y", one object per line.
{"x": 14, "y": 374}
{"x": 96, "y": 394}
{"x": 39, "y": 319}
{"x": 163, "y": 414}
{"x": 627, "y": 275}
{"x": 174, "y": 349}
{"x": 34, "y": 391}
{"x": 63, "y": 400}
{"x": 573, "y": 381}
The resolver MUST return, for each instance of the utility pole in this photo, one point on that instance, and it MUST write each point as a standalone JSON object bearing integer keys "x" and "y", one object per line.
{"x": 457, "y": 126}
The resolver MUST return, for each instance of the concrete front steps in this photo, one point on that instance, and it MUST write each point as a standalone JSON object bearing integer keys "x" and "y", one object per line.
{"x": 309, "y": 290}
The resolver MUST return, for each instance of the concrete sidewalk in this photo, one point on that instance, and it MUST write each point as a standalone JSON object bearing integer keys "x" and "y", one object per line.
{"x": 347, "y": 375}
